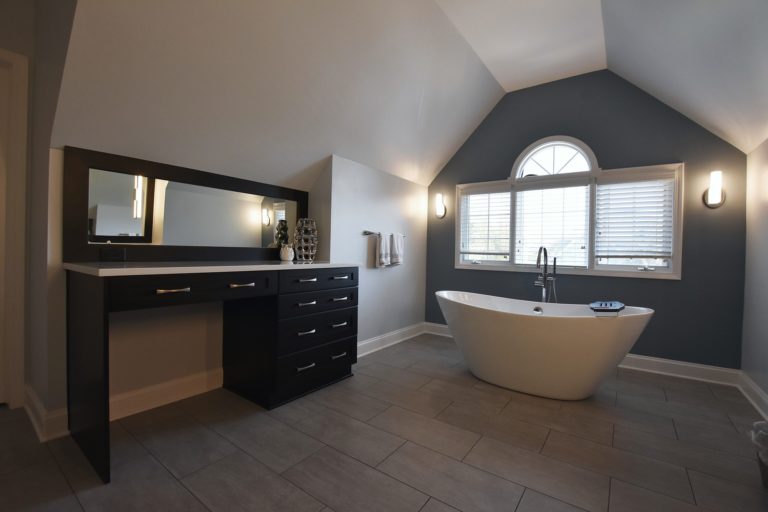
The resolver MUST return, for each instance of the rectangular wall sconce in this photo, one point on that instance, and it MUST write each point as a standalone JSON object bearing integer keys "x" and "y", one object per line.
{"x": 439, "y": 206}
{"x": 138, "y": 196}
{"x": 714, "y": 196}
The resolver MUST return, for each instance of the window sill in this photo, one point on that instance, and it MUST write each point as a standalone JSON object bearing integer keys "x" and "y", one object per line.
{"x": 669, "y": 276}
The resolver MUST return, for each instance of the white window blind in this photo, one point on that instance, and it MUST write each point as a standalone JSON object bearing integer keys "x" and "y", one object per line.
{"x": 279, "y": 211}
{"x": 634, "y": 222}
{"x": 556, "y": 218}
{"x": 485, "y": 227}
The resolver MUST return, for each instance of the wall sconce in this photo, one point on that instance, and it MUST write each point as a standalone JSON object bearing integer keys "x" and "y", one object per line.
{"x": 714, "y": 196}
{"x": 265, "y": 217}
{"x": 138, "y": 196}
{"x": 439, "y": 206}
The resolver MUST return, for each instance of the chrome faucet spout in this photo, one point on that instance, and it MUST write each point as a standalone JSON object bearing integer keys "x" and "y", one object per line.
{"x": 542, "y": 279}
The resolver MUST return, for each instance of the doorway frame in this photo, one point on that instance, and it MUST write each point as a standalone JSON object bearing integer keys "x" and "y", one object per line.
{"x": 14, "y": 183}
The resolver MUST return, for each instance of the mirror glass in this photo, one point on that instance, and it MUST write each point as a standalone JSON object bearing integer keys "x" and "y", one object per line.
{"x": 123, "y": 208}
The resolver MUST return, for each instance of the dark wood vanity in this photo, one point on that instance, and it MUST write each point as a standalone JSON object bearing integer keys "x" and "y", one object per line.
{"x": 288, "y": 328}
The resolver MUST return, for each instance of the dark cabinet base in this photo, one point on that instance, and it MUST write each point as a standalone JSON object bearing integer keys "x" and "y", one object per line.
{"x": 286, "y": 334}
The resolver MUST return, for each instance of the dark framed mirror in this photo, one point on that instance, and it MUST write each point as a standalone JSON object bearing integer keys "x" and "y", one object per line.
{"x": 119, "y": 208}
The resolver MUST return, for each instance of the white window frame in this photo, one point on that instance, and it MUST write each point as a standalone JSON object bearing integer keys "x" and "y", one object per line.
{"x": 592, "y": 178}
{"x": 486, "y": 187}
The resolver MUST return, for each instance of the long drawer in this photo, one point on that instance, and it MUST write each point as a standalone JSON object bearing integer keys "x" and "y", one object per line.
{"x": 300, "y": 280}
{"x": 309, "y": 331}
{"x": 137, "y": 292}
{"x": 305, "y": 371}
{"x": 307, "y": 303}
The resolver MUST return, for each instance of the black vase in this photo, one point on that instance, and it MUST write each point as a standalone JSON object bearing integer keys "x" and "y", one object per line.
{"x": 281, "y": 233}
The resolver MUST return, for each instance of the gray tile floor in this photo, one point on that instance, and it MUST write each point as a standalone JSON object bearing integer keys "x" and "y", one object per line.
{"x": 413, "y": 430}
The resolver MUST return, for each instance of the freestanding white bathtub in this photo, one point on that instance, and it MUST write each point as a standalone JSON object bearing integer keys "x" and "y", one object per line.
{"x": 558, "y": 351}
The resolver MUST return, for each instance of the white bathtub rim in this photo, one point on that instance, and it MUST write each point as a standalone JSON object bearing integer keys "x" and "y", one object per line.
{"x": 450, "y": 295}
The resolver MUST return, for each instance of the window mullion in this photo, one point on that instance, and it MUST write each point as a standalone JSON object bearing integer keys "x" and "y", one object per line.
{"x": 512, "y": 227}
{"x": 592, "y": 222}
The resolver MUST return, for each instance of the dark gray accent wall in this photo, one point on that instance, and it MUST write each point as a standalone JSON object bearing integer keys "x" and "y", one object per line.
{"x": 699, "y": 318}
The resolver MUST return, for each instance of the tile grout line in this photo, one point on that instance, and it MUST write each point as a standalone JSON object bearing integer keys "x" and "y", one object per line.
{"x": 610, "y": 475}
{"x": 167, "y": 470}
{"x": 520, "y": 501}
{"x": 64, "y": 475}
{"x": 205, "y": 426}
{"x": 610, "y": 488}
{"x": 690, "y": 484}
{"x": 549, "y": 432}
{"x": 480, "y": 437}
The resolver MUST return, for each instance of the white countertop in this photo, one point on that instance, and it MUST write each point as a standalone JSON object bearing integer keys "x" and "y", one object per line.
{"x": 147, "y": 268}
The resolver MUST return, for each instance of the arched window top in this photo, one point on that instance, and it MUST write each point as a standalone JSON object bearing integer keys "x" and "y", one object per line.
{"x": 553, "y": 156}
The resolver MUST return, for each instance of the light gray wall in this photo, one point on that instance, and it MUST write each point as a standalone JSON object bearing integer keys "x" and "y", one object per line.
{"x": 364, "y": 198}
{"x": 754, "y": 357}
{"x": 320, "y": 208}
{"x": 705, "y": 58}
{"x": 45, "y": 313}
{"x": 265, "y": 90}
{"x": 699, "y": 318}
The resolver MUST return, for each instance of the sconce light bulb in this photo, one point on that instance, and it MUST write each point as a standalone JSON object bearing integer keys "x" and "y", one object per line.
{"x": 439, "y": 206}
{"x": 138, "y": 196}
{"x": 715, "y": 195}
{"x": 265, "y": 217}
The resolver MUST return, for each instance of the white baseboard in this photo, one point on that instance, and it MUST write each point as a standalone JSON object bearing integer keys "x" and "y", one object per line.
{"x": 53, "y": 424}
{"x": 704, "y": 372}
{"x": 754, "y": 393}
{"x": 138, "y": 400}
{"x": 437, "y": 329}
{"x": 376, "y": 343}
{"x": 48, "y": 424}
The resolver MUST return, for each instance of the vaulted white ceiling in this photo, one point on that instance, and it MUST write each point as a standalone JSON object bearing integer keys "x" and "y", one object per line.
{"x": 268, "y": 89}
{"x": 527, "y": 43}
{"x": 706, "y": 58}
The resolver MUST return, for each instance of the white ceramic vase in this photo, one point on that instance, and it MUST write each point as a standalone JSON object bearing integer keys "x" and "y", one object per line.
{"x": 286, "y": 253}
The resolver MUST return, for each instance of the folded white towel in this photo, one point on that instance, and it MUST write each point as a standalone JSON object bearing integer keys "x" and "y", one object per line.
{"x": 383, "y": 256}
{"x": 398, "y": 248}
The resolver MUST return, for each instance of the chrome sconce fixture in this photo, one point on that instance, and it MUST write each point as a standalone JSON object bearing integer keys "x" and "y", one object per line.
{"x": 714, "y": 196}
{"x": 440, "y": 209}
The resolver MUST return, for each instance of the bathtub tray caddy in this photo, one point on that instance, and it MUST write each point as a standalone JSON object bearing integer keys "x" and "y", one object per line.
{"x": 606, "y": 307}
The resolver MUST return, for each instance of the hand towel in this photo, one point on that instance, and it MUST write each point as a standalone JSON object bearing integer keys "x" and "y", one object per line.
{"x": 383, "y": 257}
{"x": 397, "y": 248}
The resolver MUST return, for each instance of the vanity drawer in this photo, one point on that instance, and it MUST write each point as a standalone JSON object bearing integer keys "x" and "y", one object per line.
{"x": 305, "y": 332}
{"x": 137, "y": 292}
{"x": 305, "y": 371}
{"x": 300, "y": 280}
{"x": 298, "y": 304}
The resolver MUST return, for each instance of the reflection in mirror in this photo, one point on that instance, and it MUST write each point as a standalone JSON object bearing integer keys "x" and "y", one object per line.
{"x": 118, "y": 207}
{"x": 181, "y": 214}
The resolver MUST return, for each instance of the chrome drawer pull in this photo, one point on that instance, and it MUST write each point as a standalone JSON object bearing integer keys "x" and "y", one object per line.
{"x": 336, "y": 326}
{"x": 308, "y": 280}
{"x": 175, "y": 290}
{"x": 338, "y": 278}
{"x": 302, "y": 304}
{"x": 302, "y": 368}
{"x": 304, "y": 333}
{"x": 340, "y": 299}
{"x": 245, "y": 285}
{"x": 338, "y": 356}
